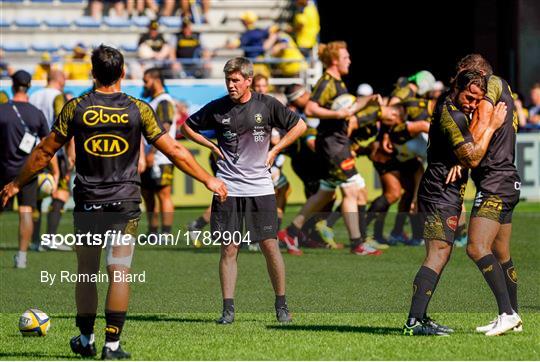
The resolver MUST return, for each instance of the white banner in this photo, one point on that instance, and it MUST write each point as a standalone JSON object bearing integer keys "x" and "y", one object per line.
{"x": 528, "y": 164}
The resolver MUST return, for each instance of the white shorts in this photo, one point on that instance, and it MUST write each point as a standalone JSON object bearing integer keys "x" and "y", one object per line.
{"x": 356, "y": 180}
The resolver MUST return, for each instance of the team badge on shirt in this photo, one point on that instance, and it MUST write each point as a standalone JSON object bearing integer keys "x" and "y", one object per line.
{"x": 258, "y": 118}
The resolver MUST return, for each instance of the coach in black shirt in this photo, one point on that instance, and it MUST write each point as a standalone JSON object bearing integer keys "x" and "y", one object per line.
{"x": 21, "y": 127}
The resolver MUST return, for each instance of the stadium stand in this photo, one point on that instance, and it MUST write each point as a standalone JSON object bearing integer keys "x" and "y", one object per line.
{"x": 30, "y": 27}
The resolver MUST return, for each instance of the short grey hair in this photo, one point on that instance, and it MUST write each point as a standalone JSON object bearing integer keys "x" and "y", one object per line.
{"x": 239, "y": 64}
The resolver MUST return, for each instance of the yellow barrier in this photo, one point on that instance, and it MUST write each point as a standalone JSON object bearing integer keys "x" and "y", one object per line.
{"x": 188, "y": 192}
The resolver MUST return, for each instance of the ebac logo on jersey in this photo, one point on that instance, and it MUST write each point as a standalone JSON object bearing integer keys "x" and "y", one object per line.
{"x": 106, "y": 145}
{"x": 99, "y": 114}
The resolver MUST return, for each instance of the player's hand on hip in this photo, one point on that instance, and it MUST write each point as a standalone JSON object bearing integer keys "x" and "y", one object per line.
{"x": 454, "y": 174}
{"x": 10, "y": 190}
{"x": 270, "y": 158}
{"x": 498, "y": 116}
{"x": 217, "y": 153}
{"x": 218, "y": 187}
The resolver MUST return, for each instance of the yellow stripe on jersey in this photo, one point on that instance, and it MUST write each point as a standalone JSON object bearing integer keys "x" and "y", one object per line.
{"x": 450, "y": 128}
{"x": 494, "y": 89}
{"x": 64, "y": 122}
{"x": 150, "y": 126}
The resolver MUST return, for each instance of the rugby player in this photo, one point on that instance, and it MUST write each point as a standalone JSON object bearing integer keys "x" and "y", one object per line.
{"x": 107, "y": 125}
{"x": 450, "y": 142}
{"x": 334, "y": 147}
{"x": 157, "y": 180}
{"x": 50, "y": 100}
{"x": 497, "y": 194}
{"x": 243, "y": 121}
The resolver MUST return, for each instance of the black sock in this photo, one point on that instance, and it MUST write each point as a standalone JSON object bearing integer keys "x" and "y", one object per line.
{"x": 423, "y": 288}
{"x": 380, "y": 204}
{"x": 399, "y": 224}
{"x": 55, "y": 213}
{"x": 166, "y": 229}
{"x": 281, "y": 301}
{"x": 334, "y": 216}
{"x": 85, "y": 322}
{"x": 510, "y": 276}
{"x": 200, "y": 223}
{"x": 434, "y": 287}
{"x": 228, "y": 304}
{"x": 362, "y": 222}
{"x": 379, "y": 226}
{"x": 279, "y": 221}
{"x": 355, "y": 242}
{"x": 152, "y": 229}
{"x": 493, "y": 273}
{"x": 293, "y": 230}
{"x": 115, "y": 323}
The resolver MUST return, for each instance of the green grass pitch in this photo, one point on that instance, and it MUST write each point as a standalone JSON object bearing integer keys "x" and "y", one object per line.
{"x": 345, "y": 307}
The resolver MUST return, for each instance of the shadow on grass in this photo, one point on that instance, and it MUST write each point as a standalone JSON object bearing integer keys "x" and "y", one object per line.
{"x": 34, "y": 355}
{"x": 147, "y": 318}
{"x": 339, "y": 328}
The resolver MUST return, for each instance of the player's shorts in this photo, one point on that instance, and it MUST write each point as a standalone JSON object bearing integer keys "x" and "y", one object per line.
{"x": 98, "y": 218}
{"x": 497, "y": 207}
{"x": 440, "y": 221}
{"x": 256, "y": 215}
{"x": 330, "y": 185}
{"x": 157, "y": 176}
{"x": 340, "y": 167}
{"x": 27, "y": 196}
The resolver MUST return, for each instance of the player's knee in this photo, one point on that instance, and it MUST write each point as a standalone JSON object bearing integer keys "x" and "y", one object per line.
{"x": 392, "y": 196}
{"x": 229, "y": 252}
{"x": 475, "y": 251}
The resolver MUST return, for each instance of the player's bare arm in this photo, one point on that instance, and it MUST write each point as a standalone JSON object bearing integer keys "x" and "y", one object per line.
{"x": 40, "y": 157}
{"x": 190, "y": 134}
{"x": 470, "y": 154}
{"x": 184, "y": 160}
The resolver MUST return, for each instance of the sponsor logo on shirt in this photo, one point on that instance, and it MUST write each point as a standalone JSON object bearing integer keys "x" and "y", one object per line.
{"x": 229, "y": 135}
{"x": 100, "y": 114}
{"x": 106, "y": 145}
{"x": 226, "y": 121}
{"x": 258, "y": 136}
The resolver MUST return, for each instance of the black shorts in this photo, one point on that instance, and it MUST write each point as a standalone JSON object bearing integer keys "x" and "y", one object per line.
{"x": 340, "y": 166}
{"x": 497, "y": 207}
{"x": 27, "y": 196}
{"x": 97, "y": 218}
{"x": 256, "y": 215}
{"x": 440, "y": 221}
{"x": 153, "y": 179}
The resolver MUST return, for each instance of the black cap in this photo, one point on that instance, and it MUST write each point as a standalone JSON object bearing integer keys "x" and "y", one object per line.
{"x": 21, "y": 78}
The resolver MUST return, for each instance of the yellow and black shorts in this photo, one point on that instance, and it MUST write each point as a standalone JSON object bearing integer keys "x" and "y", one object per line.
{"x": 498, "y": 207}
{"x": 157, "y": 177}
{"x": 440, "y": 221}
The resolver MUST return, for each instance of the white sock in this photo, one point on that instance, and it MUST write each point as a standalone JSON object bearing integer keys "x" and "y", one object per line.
{"x": 113, "y": 346}
{"x": 87, "y": 339}
{"x": 21, "y": 255}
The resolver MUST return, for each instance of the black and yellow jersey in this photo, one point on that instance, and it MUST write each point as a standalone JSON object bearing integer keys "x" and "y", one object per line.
{"x": 367, "y": 122}
{"x": 416, "y": 109}
{"x": 403, "y": 92}
{"x": 324, "y": 93}
{"x": 107, "y": 129}
{"x": 498, "y": 162}
{"x": 449, "y": 130}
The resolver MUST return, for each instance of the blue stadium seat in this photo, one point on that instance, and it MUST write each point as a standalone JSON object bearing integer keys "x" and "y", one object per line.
{"x": 171, "y": 21}
{"x": 129, "y": 47}
{"x": 44, "y": 47}
{"x": 4, "y": 23}
{"x": 68, "y": 47}
{"x": 42, "y": 1}
{"x": 12, "y": 1}
{"x": 14, "y": 48}
{"x": 87, "y": 22}
{"x": 27, "y": 23}
{"x": 57, "y": 23}
{"x": 141, "y": 21}
{"x": 71, "y": 1}
{"x": 115, "y": 22}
